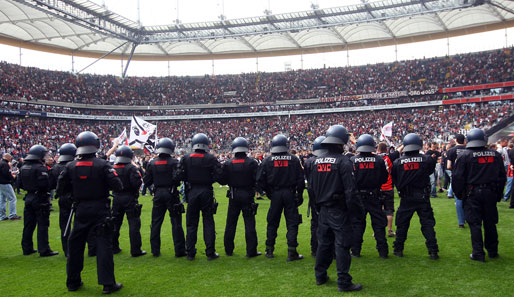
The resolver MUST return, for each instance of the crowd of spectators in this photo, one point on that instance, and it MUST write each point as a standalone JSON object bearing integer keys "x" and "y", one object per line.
{"x": 17, "y": 134}
{"x": 434, "y": 73}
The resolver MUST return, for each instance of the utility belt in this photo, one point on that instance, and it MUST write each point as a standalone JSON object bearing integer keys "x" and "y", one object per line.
{"x": 126, "y": 193}
{"x": 491, "y": 187}
{"x": 415, "y": 193}
{"x": 284, "y": 188}
{"x": 367, "y": 193}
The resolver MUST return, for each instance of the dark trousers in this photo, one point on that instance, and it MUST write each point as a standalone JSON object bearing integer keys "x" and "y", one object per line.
{"x": 127, "y": 204}
{"x": 282, "y": 200}
{"x": 65, "y": 205}
{"x": 314, "y": 230}
{"x": 241, "y": 201}
{"x": 334, "y": 227}
{"x": 163, "y": 202}
{"x": 410, "y": 204}
{"x": 35, "y": 214}
{"x": 372, "y": 205}
{"x": 91, "y": 215}
{"x": 480, "y": 208}
{"x": 200, "y": 199}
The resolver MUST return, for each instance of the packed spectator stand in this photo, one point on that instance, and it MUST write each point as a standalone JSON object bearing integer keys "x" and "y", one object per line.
{"x": 25, "y": 88}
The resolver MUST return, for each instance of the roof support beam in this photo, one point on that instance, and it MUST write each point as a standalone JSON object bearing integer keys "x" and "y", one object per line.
{"x": 91, "y": 64}
{"x": 129, "y": 59}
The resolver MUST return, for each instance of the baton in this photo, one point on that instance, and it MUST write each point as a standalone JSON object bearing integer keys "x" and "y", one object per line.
{"x": 69, "y": 221}
{"x": 308, "y": 210}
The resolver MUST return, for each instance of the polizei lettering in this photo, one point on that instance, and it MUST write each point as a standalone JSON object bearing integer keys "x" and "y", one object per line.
{"x": 365, "y": 159}
{"x": 325, "y": 160}
{"x": 411, "y": 160}
{"x": 285, "y": 157}
{"x": 483, "y": 154}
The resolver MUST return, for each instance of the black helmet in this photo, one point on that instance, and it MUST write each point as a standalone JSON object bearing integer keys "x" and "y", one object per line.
{"x": 37, "y": 152}
{"x": 67, "y": 152}
{"x": 412, "y": 143}
{"x": 165, "y": 146}
{"x": 87, "y": 143}
{"x": 476, "y": 138}
{"x": 239, "y": 145}
{"x": 316, "y": 146}
{"x": 201, "y": 142}
{"x": 124, "y": 155}
{"x": 365, "y": 144}
{"x": 336, "y": 134}
{"x": 279, "y": 144}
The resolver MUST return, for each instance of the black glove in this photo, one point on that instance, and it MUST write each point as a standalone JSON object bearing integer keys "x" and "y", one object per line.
{"x": 299, "y": 198}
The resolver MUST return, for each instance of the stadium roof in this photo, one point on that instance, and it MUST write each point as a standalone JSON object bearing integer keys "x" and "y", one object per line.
{"x": 83, "y": 28}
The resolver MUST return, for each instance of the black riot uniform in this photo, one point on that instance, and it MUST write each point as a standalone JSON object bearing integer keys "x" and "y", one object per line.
{"x": 240, "y": 174}
{"x": 66, "y": 154}
{"x": 199, "y": 170}
{"x": 478, "y": 178}
{"x": 332, "y": 183}
{"x": 317, "y": 150}
{"x": 90, "y": 179}
{"x": 160, "y": 172}
{"x": 410, "y": 175}
{"x": 35, "y": 180}
{"x": 281, "y": 176}
{"x": 370, "y": 173}
{"x": 126, "y": 201}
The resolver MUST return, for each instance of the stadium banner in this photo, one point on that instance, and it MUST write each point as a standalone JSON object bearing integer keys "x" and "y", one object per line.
{"x": 140, "y": 131}
{"x": 479, "y": 87}
{"x": 22, "y": 113}
{"x": 385, "y": 95}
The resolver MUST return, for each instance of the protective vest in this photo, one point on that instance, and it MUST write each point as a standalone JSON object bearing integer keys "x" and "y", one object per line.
{"x": 88, "y": 179}
{"x": 162, "y": 171}
{"x": 29, "y": 176}
{"x": 123, "y": 171}
{"x": 199, "y": 169}
{"x": 240, "y": 173}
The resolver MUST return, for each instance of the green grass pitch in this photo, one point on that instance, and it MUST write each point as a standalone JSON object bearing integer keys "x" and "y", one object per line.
{"x": 414, "y": 275}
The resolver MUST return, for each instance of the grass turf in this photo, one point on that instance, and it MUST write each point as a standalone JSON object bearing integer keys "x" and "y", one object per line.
{"x": 414, "y": 275}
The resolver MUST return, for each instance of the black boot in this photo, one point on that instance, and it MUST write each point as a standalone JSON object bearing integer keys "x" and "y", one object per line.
{"x": 292, "y": 255}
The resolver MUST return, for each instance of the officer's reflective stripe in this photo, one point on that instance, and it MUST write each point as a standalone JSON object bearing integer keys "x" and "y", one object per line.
{"x": 410, "y": 166}
{"x": 483, "y": 160}
{"x": 324, "y": 167}
{"x": 197, "y": 155}
{"x": 161, "y": 162}
{"x": 119, "y": 166}
{"x": 366, "y": 165}
{"x": 238, "y": 161}
{"x": 84, "y": 163}
{"x": 83, "y": 177}
{"x": 280, "y": 163}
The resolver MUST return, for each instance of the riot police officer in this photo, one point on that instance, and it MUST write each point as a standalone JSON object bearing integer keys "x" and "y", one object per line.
{"x": 478, "y": 178}
{"x": 411, "y": 176}
{"x": 126, "y": 201}
{"x": 160, "y": 172}
{"x": 240, "y": 174}
{"x": 317, "y": 151}
{"x": 90, "y": 179}
{"x": 34, "y": 179}
{"x": 281, "y": 176}
{"x": 370, "y": 173}
{"x": 199, "y": 170}
{"x": 66, "y": 154}
{"x": 331, "y": 180}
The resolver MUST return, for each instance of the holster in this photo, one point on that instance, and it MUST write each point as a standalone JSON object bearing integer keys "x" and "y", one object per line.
{"x": 178, "y": 208}
{"x": 106, "y": 227}
{"x": 137, "y": 210}
{"x": 253, "y": 208}
{"x": 214, "y": 207}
